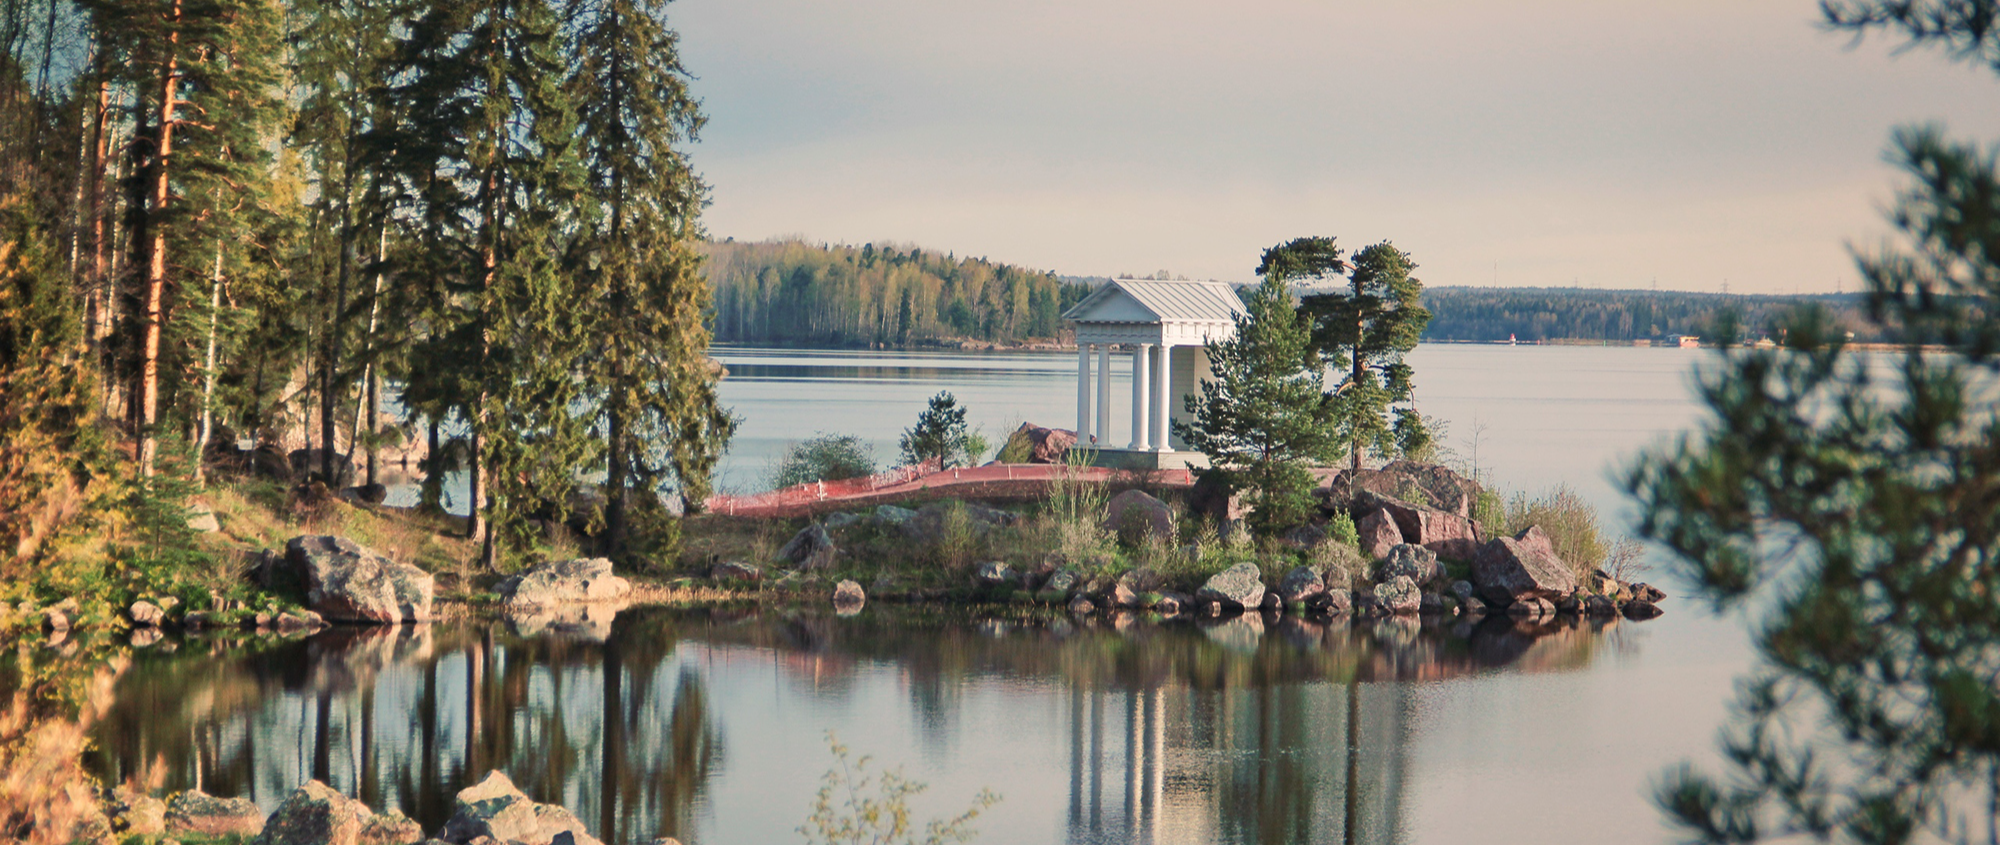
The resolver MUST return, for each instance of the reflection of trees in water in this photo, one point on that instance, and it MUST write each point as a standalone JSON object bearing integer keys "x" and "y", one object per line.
{"x": 405, "y": 717}
{"x": 1246, "y": 729}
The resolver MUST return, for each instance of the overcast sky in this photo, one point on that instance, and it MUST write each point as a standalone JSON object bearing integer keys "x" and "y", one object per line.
{"x": 1601, "y": 143}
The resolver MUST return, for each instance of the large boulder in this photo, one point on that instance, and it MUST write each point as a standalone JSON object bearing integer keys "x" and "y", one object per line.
{"x": 315, "y": 814}
{"x": 576, "y": 581}
{"x": 1448, "y": 534}
{"x": 1428, "y": 485}
{"x": 1378, "y": 533}
{"x": 495, "y": 808}
{"x": 1525, "y": 566}
{"x": 146, "y": 614}
{"x": 200, "y": 813}
{"x": 1037, "y": 445}
{"x": 1135, "y": 515}
{"x": 811, "y": 548}
{"x": 1238, "y": 587}
{"x": 348, "y": 582}
{"x": 1413, "y": 562}
{"x": 1301, "y": 584}
{"x": 1399, "y": 595}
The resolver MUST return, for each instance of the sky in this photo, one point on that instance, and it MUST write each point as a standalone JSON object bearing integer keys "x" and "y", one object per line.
{"x": 1692, "y": 145}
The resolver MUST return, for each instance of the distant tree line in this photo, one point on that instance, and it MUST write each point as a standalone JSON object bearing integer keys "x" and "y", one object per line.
{"x": 794, "y": 292}
{"x": 1539, "y": 314}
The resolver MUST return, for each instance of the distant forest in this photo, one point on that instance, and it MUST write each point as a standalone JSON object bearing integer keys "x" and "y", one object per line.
{"x": 1544, "y": 314}
{"x": 891, "y": 295}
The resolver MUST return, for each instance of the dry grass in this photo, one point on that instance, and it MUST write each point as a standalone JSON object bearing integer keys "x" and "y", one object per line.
{"x": 45, "y": 794}
{"x": 1568, "y": 520}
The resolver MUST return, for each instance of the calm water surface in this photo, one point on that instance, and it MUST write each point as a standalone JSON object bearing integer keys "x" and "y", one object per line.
{"x": 711, "y": 726}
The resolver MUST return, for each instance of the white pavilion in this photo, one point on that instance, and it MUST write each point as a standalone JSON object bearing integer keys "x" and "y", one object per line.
{"x": 1162, "y": 325}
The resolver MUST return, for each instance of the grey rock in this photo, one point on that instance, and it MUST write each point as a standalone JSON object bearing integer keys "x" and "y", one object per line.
{"x": 201, "y": 520}
{"x": 348, "y": 582}
{"x": 298, "y": 620}
{"x": 146, "y": 614}
{"x": 200, "y": 813}
{"x": 1531, "y": 608}
{"x": 1134, "y": 515}
{"x": 1639, "y": 609}
{"x": 1333, "y": 602}
{"x": 575, "y": 581}
{"x": 996, "y": 573}
{"x": 1399, "y": 595}
{"x": 1599, "y": 606}
{"x": 1081, "y": 605}
{"x": 1300, "y": 584}
{"x": 1238, "y": 587}
{"x": 891, "y": 515}
{"x": 494, "y": 808}
{"x": 391, "y": 828}
{"x": 1474, "y": 605}
{"x": 1431, "y": 603}
{"x": 1378, "y": 534}
{"x": 1525, "y": 566}
{"x": 1171, "y": 603}
{"x": 842, "y": 519}
{"x": 1122, "y": 595}
{"x": 1064, "y": 580}
{"x": 1271, "y": 602}
{"x": 735, "y": 571}
{"x": 811, "y": 548}
{"x": 1647, "y": 593}
{"x": 1411, "y": 561}
{"x": 315, "y": 814}
{"x": 1462, "y": 590}
{"x": 1304, "y": 537}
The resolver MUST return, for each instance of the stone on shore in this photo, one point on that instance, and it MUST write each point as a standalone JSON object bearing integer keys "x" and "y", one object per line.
{"x": 1236, "y": 588}
{"x": 1135, "y": 515}
{"x": 146, "y": 614}
{"x": 576, "y": 581}
{"x": 200, "y": 813}
{"x": 1639, "y": 609}
{"x": 735, "y": 571}
{"x": 1646, "y": 592}
{"x": 1448, "y": 534}
{"x": 1525, "y": 566}
{"x": 811, "y": 548}
{"x": 315, "y": 814}
{"x": 348, "y": 582}
{"x": 1301, "y": 584}
{"x": 1171, "y": 603}
{"x": 1379, "y": 534}
{"x": 1413, "y": 562}
{"x": 1081, "y": 605}
{"x": 848, "y": 592}
{"x": 1399, "y": 595}
{"x": 996, "y": 573}
{"x": 495, "y": 808}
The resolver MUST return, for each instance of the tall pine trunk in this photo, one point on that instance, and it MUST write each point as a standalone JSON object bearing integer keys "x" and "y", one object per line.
{"x": 208, "y": 369}
{"x": 1354, "y": 442}
{"x": 156, "y": 266}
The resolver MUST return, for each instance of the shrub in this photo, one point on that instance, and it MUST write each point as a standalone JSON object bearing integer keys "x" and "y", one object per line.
{"x": 941, "y": 433}
{"x": 856, "y": 806}
{"x": 1340, "y": 529}
{"x": 826, "y": 457}
{"x": 1568, "y": 520}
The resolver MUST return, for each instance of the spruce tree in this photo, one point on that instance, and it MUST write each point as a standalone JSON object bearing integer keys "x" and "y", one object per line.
{"x": 634, "y": 261}
{"x": 1264, "y": 415}
{"x": 477, "y": 146}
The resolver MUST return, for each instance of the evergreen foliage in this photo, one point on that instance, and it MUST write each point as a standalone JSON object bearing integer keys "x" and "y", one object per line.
{"x": 792, "y": 292}
{"x": 826, "y": 457}
{"x": 1364, "y": 332}
{"x": 941, "y": 433}
{"x": 1532, "y": 315}
{"x": 1265, "y": 414}
{"x": 1857, "y": 512}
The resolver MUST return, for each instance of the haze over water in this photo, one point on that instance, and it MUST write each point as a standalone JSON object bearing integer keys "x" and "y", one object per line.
{"x": 710, "y": 726}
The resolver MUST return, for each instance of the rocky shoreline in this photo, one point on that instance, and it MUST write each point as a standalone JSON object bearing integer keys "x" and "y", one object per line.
{"x": 491, "y": 812}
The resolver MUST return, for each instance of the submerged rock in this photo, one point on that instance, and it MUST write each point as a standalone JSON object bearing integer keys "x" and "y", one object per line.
{"x": 1639, "y": 609}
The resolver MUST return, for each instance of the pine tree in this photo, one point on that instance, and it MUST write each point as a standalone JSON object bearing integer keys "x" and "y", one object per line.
{"x": 1264, "y": 416}
{"x": 1364, "y": 331}
{"x": 634, "y": 260}
{"x": 941, "y": 434}
{"x": 1855, "y": 509}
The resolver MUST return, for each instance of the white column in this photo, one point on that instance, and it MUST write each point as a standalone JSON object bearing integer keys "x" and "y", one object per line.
{"x": 1163, "y": 400}
{"x": 1082, "y": 392}
{"x": 1141, "y": 409}
{"x": 1102, "y": 432}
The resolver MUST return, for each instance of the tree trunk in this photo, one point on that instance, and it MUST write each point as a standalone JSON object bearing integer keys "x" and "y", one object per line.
{"x": 208, "y": 368}
{"x": 617, "y": 498}
{"x": 370, "y": 378}
{"x": 99, "y": 311}
{"x": 156, "y": 266}
{"x": 1354, "y": 442}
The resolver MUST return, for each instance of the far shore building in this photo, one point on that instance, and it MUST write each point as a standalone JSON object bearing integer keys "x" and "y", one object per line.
{"x": 1162, "y": 327}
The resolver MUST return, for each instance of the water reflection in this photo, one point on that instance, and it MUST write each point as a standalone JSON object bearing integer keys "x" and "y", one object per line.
{"x": 1247, "y": 729}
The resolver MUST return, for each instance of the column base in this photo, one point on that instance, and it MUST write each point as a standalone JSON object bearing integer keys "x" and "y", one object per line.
{"x": 1148, "y": 459}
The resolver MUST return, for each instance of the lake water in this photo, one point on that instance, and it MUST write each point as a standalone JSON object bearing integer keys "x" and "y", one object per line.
{"x": 711, "y": 726}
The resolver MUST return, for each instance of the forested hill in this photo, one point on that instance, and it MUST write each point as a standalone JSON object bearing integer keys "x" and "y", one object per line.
{"x": 794, "y": 292}
{"x": 1539, "y": 314}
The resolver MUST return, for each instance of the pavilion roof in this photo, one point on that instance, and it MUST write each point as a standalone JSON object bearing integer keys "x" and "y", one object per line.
{"x": 1163, "y": 301}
